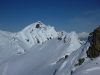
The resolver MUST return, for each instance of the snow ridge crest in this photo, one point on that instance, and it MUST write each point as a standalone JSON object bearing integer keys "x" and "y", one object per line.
{"x": 35, "y": 33}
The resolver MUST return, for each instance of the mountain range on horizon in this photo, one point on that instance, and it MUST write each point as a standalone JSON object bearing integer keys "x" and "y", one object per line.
{"x": 39, "y": 49}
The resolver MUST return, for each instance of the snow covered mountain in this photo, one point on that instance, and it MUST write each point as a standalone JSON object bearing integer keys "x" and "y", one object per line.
{"x": 35, "y": 33}
{"x": 40, "y": 50}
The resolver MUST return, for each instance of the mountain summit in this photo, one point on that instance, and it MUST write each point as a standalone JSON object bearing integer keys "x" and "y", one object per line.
{"x": 35, "y": 33}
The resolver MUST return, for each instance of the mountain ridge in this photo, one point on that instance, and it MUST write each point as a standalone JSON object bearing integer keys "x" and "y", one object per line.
{"x": 54, "y": 53}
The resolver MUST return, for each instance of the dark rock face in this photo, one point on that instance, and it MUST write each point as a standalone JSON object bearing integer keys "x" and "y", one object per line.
{"x": 38, "y": 26}
{"x": 59, "y": 38}
{"x": 80, "y": 61}
{"x": 94, "y": 38}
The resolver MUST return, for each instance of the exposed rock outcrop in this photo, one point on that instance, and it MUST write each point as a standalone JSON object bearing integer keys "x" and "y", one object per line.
{"x": 80, "y": 61}
{"x": 94, "y": 38}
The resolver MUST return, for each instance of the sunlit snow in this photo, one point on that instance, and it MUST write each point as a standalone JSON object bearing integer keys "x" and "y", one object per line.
{"x": 40, "y": 50}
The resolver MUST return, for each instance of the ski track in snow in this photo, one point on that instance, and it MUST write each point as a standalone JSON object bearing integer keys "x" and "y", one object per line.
{"x": 6, "y": 66}
{"x": 5, "y": 69}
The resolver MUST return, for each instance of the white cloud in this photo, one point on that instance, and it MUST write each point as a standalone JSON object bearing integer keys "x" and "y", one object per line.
{"x": 83, "y": 35}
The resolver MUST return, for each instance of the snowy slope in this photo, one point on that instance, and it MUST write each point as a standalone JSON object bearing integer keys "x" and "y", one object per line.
{"x": 88, "y": 66}
{"x": 92, "y": 68}
{"x": 40, "y": 50}
{"x": 72, "y": 60}
{"x": 5, "y": 37}
{"x": 41, "y": 59}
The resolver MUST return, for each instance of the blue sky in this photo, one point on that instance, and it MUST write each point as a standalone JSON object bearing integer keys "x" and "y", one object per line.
{"x": 67, "y": 15}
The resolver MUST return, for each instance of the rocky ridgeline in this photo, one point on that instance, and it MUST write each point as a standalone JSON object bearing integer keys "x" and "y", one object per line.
{"x": 94, "y": 38}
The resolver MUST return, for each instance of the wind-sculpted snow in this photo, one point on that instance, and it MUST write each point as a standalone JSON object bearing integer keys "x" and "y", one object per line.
{"x": 35, "y": 33}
